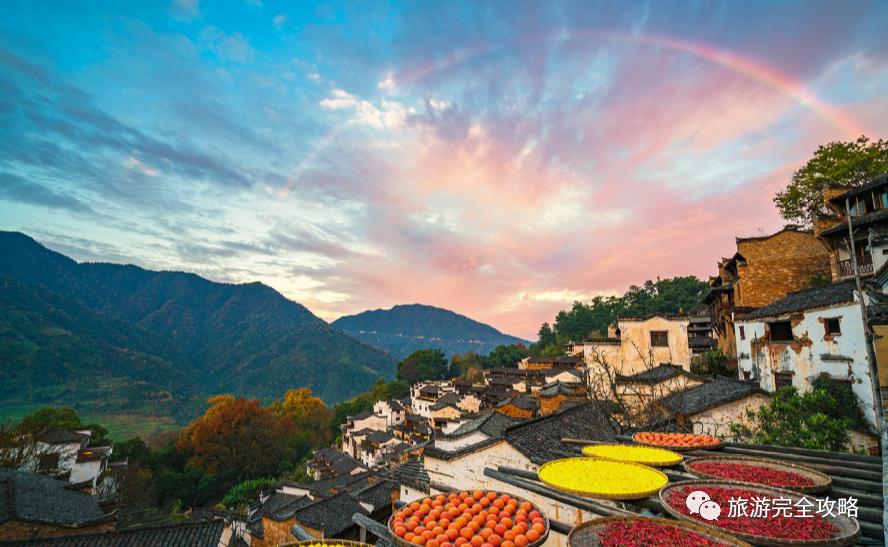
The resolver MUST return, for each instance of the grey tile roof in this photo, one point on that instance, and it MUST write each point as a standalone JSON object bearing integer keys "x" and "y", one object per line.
{"x": 331, "y": 485}
{"x": 380, "y": 437}
{"x": 332, "y": 515}
{"x": 654, "y": 375}
{"x": 523, "y": 401}
{"x": 378, "y": 495}
{"x": 818, "y": 297}
{"x": 363, "y": 415}
{"x": 395, "y": 405}
{"x": 35, "y": 498}
{"x": 559, "y": 388}
{"x": 841, "y": 228}
{"x": 61, "y": 436}
{"x": 711, "y": 394}
{"x": 539, "y": 438}
{"x": 490, "y": 423}
{"x": 279, "y": 506}
{"x": 191, "y": 534}
{"x": 451, "y": 399}
{"x": 336, "y": 461}
{"x": 412, "y": 474}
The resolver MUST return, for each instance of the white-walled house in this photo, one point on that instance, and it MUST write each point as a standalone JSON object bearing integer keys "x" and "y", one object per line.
{"x": 392, "y": 410}
{"x": 633, "y": 342}
{"x": 807, "y": 334}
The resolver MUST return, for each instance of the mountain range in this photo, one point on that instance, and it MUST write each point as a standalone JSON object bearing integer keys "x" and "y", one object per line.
{"x": 107, "y": 337}
{"x": 123, "y": 339}
{"x": 404, "y": 329}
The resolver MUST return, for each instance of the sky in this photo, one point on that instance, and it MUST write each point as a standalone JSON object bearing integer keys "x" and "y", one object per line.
{"x": 500, "y": 159}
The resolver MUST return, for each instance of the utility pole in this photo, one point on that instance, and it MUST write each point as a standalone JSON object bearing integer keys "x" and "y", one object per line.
{"x": 867, "y": 332}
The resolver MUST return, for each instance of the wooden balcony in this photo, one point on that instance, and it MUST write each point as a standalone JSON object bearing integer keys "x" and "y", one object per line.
{"x": 864, "y": 266}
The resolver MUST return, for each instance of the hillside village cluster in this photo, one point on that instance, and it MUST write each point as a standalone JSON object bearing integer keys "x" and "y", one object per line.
{"x": 784, "y": 309}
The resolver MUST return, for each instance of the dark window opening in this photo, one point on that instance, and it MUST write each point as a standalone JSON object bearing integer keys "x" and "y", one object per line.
{"x": 782, "y": 379}
{"x": 742, "y": 333}
{"x": 48, "y": 463}
{"x": 780, "y": 331}
{"x": 832, "y": 326}
{"x": 659, "y": 338}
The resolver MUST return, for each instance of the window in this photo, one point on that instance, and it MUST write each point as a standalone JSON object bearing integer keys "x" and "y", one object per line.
{"x": 832, "y": 326}
{"x": 880, "y": 199}
{"x": 780, "y": 331}
{"x": 742, "y": 333}
{"x": 659, "y": 338}
{"x": 782, "y": 379}
{"x": 48, "y": 463}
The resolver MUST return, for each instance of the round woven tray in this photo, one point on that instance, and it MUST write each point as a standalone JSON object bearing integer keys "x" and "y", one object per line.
{"x": 328, "y": 541}
{"x": 822, "y": 482}
{"x": 849, "y": 529}
{"x": 404, "y": 543}
{"x": 597, "y": 495}
{"x": 586, "y": 534}
{"x": 679, "y": 448}
{"x": 677, "y": 458}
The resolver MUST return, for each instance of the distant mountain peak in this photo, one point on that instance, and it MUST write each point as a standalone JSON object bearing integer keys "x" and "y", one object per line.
{"x": 404, "y": 328}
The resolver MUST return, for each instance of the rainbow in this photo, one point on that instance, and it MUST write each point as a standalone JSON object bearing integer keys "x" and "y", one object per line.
{"x": 746, "y": 66}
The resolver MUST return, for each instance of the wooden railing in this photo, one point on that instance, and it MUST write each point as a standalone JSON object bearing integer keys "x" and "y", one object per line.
{"x": 864, "y": 266}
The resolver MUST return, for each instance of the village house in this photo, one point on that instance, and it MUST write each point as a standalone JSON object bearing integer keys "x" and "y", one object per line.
{"x": 868, "y": 205}
{"x": 209, "y": 533}
{"x": 374, "y": 445}
{"x": 445, "y": 410}
{"x": 357, "y": 427}
{"x": 37, "y": 506}
{"x": 329, "y": 462}
{"x": 700, "y": 333}
{"x": 545, "y": 363}
{"x": 411, "y": 478}
{"x": 711, "y": 407}
{"x": 809, "y": 333}
{"x": 635, "y": 344}
{"x": 521, "y": 406}
{"x": 424, "y": 394}
{"x": 554, "y": 395}
{"x": 521, "y": 446}
{"x": 415, "y": 429}
{"x": 66, "y": 454}
{"x": 488, "y": 424}
{"x": 643, "y": 389}
{"x": 762, "y": 270}
{"x": 392, "y": 410}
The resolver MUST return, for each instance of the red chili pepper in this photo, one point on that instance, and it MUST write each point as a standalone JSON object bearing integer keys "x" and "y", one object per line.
{"x": 778, "y": 527}
{"x": 758, "y": 474}
{"x": 642, "y": 533}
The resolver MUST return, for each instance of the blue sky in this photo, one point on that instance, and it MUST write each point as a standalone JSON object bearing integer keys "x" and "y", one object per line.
{"x": 497, "y": 158}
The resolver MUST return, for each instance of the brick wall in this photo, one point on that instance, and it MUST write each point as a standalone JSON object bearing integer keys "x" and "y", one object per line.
{"x": 777, "y": 265}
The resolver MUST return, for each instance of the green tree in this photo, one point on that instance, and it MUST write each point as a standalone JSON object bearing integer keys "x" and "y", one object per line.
{"x": 847, "y": 405}
{"x": 844, "y": 163}
{"x": 51, "y": 417}
{"x": 465, "y": 362}
{"x": 712, "y": 362}
{"x": 591, "y": 319}
{"x": 504, "y": 356}
{"x": 793, "y": 419}
{"x": 242, "y": 494}
{"x": 424, "y": 364}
